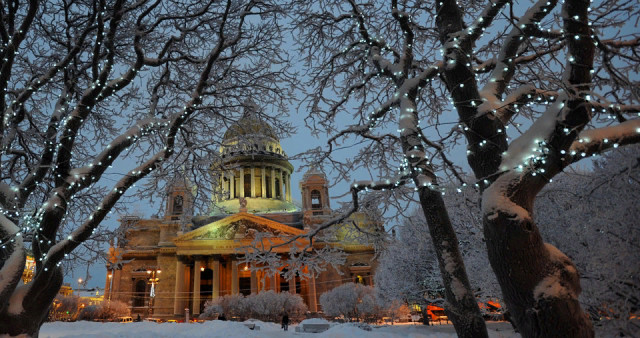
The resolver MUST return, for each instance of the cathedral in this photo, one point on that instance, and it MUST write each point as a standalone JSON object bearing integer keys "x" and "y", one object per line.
{"x": 166, "y": 266}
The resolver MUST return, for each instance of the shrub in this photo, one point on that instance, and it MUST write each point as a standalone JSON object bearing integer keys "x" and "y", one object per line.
{"x": 396, "y": 309}
{"x": 352, "y": 301}
{"x": 109, "y": 310}
{"x": 65, "y": 308}
{"x": 265, "y": 306}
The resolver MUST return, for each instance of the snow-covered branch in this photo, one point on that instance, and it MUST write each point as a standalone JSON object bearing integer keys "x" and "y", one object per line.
{"x": 595, "y": 141}
{"x": 483, "y": 20}
{"x": 520, "y": 97}
{"x": 505, "y": 69}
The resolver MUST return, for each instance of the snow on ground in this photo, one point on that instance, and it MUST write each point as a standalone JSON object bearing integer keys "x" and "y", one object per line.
{"x": 228, "y": 329}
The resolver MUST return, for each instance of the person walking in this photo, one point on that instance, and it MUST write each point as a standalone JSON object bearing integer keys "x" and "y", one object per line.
{"x": 285, "y": 321}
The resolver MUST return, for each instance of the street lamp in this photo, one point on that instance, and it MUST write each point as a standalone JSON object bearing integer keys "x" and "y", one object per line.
{"x": 153, "y": 279}
{"x": 110, "y": 275}
{"x": 79, "y": 282}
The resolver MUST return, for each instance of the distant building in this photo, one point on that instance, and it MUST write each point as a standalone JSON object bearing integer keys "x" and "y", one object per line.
{"x": 88, "y": 297}
{"x": 65, "y": 290}
{"x": 165, "y": 265}
{"x": 29, "y": 268}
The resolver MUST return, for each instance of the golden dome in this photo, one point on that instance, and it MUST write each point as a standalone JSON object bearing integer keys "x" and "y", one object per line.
{"x": 250, "y": 135}
{"x": 249, "y": 126}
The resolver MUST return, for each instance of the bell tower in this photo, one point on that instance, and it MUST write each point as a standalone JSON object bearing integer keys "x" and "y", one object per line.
{"x": 178, "y": 200}
{"x": 315, "y": 195}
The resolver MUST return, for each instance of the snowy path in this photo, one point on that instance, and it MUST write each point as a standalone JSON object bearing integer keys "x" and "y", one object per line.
{"x": 238, "y": 330}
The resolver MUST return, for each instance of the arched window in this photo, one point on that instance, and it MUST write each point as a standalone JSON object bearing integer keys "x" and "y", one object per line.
{"x": 316, "y": 201}
{"x": 178, "y": 203}
{"x": 140, "y": 293}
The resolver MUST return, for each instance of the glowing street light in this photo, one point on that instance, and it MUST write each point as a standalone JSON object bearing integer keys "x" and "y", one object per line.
{"x": 153, "y": 280}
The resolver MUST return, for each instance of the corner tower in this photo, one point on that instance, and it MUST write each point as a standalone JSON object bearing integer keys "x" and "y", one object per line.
{"x": 315, "y": 194}
{"x": 179, "y": 200}
{"x": 254, "y": 167}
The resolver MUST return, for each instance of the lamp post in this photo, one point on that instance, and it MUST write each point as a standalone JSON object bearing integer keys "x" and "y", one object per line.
{"x": 110, "y": 275}
{"x": 153, "y": 280}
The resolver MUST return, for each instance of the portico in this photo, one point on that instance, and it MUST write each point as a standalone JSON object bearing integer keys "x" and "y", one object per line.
{"x": 209, "y": 264}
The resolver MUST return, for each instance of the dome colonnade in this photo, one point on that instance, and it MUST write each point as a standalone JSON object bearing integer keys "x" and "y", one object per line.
{"x": 254, "y": 167}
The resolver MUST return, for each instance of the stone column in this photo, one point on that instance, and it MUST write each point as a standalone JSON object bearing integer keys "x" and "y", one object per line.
{"x": 178, "y": 302}
{"x": 276, "y": 282}
{"x": 241, "y": 187}
{"x": 313, "y": 306}
{"x": 268, "y": 279}
{"x": 281, "y": 185}
{"x": 235, "y": 286}
{"x": 325, "y": 200}
{"x": 273, "y": 182}
{"x": 107, "y": 285}
{"x": 253, "y": 182}
{"x": 263, "y": 182}
{"x": 225, "y": 190}
{"x": 232, "y": 184}
{"x": 292, "y": 285}
{"x": 196, "y": 287}
{"x": 254, "y": 282}
{"x": 305, "y": 204}
{"x": 116, "y": 284}
{"x": 288, "y": 184}
{"x": 216, "y": 278}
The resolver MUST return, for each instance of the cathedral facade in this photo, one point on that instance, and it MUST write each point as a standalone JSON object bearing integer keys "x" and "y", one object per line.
{"x": 164, "y": 266}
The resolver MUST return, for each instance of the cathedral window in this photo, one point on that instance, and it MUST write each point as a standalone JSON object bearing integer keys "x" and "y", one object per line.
{"x": 178, "y": 203}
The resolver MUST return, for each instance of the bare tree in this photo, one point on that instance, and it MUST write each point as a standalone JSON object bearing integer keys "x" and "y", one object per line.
{"x": 408, "y": 269}
{"x": 599, "y": 213}
{"x": 92, "y": 85}
{"x": 467, "y": 71}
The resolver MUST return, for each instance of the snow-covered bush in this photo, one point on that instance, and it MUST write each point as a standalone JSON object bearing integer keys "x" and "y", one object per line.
{"x": 266, "y": 305}
{"x": 212, "y": 309}
{"x": 270, "y": 305}
{"x": 108, "y": 311}
{"x": 111, "y": 310}
{"x": 352, "y": 301}
{"x": 64, "y": 308}
{"x": 396, "y": 310}
{"x": 91, "y": 312}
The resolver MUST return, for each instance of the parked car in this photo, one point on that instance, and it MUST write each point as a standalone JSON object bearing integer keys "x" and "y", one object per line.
{"x": 126, "y": 319}
{"x": 155, "y": 320}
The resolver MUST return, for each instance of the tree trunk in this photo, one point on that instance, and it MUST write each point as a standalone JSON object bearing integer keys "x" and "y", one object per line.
{"x": 22, "y": 324}
{"x": 540, "y": 284}
{"x": 461, "y": 308}
{"x": 35, "y": 309}
{"x": 425, "y": 315}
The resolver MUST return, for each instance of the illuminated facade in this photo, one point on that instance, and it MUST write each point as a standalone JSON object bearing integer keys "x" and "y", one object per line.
{"x": 193, "y": 259}
{"x": 29, "y": 268}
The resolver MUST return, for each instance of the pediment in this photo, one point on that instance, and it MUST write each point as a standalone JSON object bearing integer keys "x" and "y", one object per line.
{"x": 240, "y": 226}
